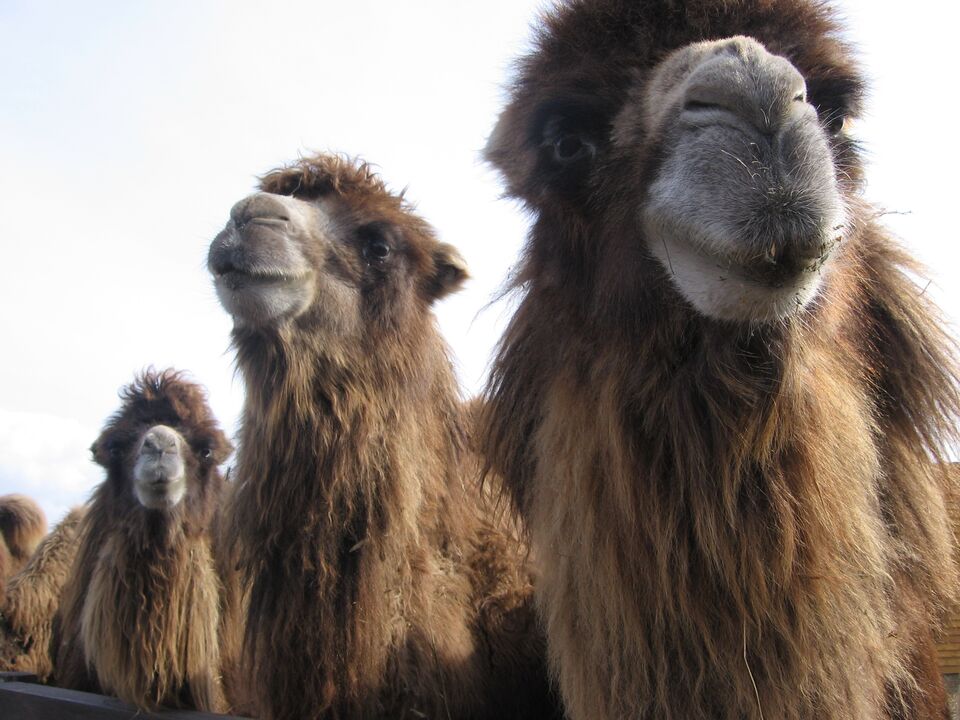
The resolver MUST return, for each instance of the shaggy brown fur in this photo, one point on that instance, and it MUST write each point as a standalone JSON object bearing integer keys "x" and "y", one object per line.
{"x": 379, "y": 584}
{"x": 140, "y": 610}
{"x": 734, "y": 520}
{"x": 22, "y": 527}
{"x": 33, "y": 597}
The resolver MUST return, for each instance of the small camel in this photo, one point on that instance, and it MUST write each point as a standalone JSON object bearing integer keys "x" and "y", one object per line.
{"x": 140, "y": 611}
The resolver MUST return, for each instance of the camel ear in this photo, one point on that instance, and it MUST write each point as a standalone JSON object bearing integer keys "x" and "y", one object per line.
{"x": 220, "y": 448}
{"x": 100, "y": 452}
{"x": 449, "y": 272}
{"x": 508, "y": 152}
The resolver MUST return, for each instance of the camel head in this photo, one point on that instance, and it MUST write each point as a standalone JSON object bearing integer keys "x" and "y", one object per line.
{"x": 325, "y": 249}
{"x": 163, "y": 445}
{"x": 696, "y": 160}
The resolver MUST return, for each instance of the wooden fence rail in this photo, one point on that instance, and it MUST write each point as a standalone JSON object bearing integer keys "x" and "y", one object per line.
{"x": 22, "y": 698}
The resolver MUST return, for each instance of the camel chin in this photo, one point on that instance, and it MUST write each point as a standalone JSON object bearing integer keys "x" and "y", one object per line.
{"x": 720, "y": 288}
{"x": 261, "y": 300}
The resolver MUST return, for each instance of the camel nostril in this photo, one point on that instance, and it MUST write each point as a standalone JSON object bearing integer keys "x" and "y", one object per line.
{"x": 259, "y": 207}
{"x": 223, "y": 265}
{"x": 266, "y": 219}
{"x": 222, "y": 259}
{"x": 699, "y": 106}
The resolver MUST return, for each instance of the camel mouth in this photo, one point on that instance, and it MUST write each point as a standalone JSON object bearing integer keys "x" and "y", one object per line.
{"x": 261, "y": 294}
{"x": 237, "y": 277}
{"x": 719, "y": 279}
{"x": 777, "y": 270}
{"x": 776, "y": 267}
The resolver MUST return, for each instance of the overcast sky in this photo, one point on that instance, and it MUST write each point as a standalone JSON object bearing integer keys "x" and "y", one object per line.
{"x": 127, "y": 131}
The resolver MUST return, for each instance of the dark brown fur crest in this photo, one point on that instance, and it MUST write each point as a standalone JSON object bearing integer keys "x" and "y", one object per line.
{"x": 140, "y": 612}
{"x": 747, "y": 516}
{"x": 378, "y": 585}
{"x": 317, "y": 175}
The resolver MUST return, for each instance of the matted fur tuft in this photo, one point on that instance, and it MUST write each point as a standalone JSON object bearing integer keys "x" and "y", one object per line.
{"x": 320, "y": 174}
{"x": 733, "y": 520}
{"x": 33, "y": 597}
{"x": 140, "y": 612}
{"x": 22, "y": 527}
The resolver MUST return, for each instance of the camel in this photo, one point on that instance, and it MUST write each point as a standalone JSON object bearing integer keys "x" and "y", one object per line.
{"x": 716, "y": 404}
{"x": 33, "y": 597}
{"x": 365, "y": 567}
{"x": 22, "y": 527}
{"x": 139, "y": 616}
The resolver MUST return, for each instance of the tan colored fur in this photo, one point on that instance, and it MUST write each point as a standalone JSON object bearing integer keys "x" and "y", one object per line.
{"x": 22, "y": 527}
{"x": 33, "y": 597}
{"x": 175, "y": 645}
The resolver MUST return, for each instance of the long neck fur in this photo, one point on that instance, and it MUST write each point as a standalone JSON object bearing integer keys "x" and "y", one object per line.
{"x": 140, "y": 612}
{"x": 330, "y": 511}
{"x": 733, "y": 523}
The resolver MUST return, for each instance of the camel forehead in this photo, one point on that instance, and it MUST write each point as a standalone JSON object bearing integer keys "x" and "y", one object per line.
{"x": 350, "y": 190}
{"x": 160, "y": 399}
{"x": 605, "y": 44}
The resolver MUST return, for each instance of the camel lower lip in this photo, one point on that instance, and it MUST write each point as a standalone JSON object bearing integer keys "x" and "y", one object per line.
{"x": 238, "y": 279}
{"x": 769, "y": 274}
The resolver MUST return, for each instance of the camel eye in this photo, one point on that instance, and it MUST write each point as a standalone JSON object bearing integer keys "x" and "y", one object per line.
{"x": 378, "y": 249}
{"x": 567, "y": 148}
{"x": 836, "y": 124}
{"x": 568, "y": 145}
{"x": 833, "y": 120}
{"x": 376, "y": 242}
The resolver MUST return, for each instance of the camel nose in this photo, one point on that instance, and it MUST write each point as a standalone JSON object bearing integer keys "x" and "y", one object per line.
{"x": 161, "y": 440}
{"x": 745, "y": 80}
{"x": 259, "y": 206}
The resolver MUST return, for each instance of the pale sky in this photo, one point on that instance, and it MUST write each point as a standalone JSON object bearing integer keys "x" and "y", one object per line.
{"x": 128, "y": 130}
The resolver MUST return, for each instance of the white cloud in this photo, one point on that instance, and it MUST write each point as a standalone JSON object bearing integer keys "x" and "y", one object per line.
{"x": 47, "y": 457}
